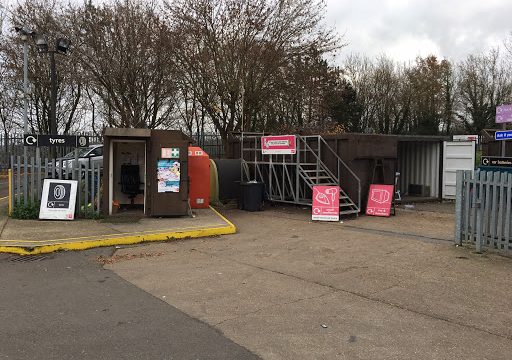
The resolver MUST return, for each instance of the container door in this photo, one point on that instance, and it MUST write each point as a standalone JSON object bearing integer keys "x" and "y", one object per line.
{"x": 457, "y": 155}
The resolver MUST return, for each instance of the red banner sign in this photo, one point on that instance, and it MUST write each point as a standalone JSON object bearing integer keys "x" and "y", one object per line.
{"x": 326, "y": 203}
{"x": 280, "y": 144}
{"x": 379, "y": 200}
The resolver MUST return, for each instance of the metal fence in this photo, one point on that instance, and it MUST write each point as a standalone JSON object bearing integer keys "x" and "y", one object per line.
{"x": 12, "y": 145}
{"x": 211, "y": 144}
{"x": 483, "y": 210}
{"x": 28, "y": 173}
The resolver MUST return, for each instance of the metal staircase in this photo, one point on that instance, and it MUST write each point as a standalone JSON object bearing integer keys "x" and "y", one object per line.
{"x": 290, "y": 178}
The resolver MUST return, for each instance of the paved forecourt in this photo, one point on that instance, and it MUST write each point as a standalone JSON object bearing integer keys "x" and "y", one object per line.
{"x": 26, "y": 237}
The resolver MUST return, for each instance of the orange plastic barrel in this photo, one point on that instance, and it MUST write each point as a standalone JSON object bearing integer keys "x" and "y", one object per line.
{"x": 199, "y": 176}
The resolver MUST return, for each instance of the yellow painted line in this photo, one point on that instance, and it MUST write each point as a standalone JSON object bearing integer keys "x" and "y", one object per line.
{"x": 223, "y": 217}
{"x": 154, "y": 231}
{"x": 128, "y": 240}
{"x": 123, "y": 240}
{"x": 111, "y": 236}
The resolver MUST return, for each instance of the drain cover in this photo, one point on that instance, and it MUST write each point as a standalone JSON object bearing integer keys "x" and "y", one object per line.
{"x": 27, "y": 258}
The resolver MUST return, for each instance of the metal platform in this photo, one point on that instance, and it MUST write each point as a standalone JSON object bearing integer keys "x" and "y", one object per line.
{"x": 290, "y": 178}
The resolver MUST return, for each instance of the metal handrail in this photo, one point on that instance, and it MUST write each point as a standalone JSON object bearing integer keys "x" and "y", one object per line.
{"x": 340, "y": 161}
{"x": 320, "y": 140}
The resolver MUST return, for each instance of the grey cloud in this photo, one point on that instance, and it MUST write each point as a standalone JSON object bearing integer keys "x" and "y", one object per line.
{"x": 457, "y": 28}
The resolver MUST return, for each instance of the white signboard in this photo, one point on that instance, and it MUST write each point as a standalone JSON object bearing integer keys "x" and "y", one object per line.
{"x": 58, "y": 200}
{"x": 465, "y": 138}
{"x": 278, "y": 144}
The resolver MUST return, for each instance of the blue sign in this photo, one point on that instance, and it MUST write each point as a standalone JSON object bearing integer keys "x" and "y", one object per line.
{"x": 503, "y": 135}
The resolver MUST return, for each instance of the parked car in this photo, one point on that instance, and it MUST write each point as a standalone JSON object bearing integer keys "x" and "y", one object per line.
{"x": 86, "y": 158}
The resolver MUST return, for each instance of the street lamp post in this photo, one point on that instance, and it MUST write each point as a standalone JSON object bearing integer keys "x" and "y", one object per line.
{"x": 53, "y": 94}
{"x": 25, "y": 33}
{"x": 61, "y": 47}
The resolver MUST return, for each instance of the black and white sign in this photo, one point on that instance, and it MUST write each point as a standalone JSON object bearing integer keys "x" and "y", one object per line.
{"x": 496, "y": 161}
{"x": 58, "y": 200}
{"x": 56, "y": 140}
{"x": 58, "y": 195}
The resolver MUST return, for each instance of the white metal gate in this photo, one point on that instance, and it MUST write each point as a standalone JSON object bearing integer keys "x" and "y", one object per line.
{"x": 457, "y": 155}
{"x": 483, "y": 210}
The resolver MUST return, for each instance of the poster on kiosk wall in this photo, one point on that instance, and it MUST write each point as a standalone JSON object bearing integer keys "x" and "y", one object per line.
{"x": 326, "y": 203}
{"x": 168, "y": 174}
{"x": 58, "y": 200}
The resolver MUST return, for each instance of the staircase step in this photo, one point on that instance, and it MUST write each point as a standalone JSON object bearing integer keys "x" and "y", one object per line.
{"x": 347, "y": 204}
{"x": 313, "y": 171}
{"x": 319, "y": 177}
{"x": 347, "y": 212}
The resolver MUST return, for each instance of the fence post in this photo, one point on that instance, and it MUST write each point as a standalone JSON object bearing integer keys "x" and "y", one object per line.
{"x": 98, "y": 190}
{"x": 508, "y": 220}
{"x": 467, "y": 205}
{"x": 32, "y": 181}
{"x": 458, "y": 207}
{"x": 25, "y": 179}
{"x": 18, "y": 180}
{"x": 86, "y": 185}
{"x": 38, "y": 190}
{"x": 77, "y": 165}
{"x": 479, "y": 210}
{"x": 9, "y": 175}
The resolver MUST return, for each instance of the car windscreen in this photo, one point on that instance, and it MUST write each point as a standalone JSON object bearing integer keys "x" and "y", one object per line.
{"x": 81, "y": 152}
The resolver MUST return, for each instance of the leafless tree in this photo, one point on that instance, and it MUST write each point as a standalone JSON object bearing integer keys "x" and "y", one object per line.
{"x": 232, "y": 53}
{"x": 432, "y": 95}
{"x": 45, "y": 17}
{"x": 484, "y": 82}
{"x": 10, "y": 100}
{"x": 125, "y": 50}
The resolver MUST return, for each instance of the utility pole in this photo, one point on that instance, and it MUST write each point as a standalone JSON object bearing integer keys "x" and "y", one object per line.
{"x": 25, "y": 84}
{"x": 61, "y": 47}
{"x": 53, "y": 94}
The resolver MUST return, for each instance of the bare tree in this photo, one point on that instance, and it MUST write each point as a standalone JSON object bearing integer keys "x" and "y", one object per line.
{"x": 45, "y": 17}
{"x": 10, "y": 100}
{"x": 125, "y": 49}
{"x": 432, "y": 95}
{"x": 232, "y": 52}
{"x": 484, "y": 81}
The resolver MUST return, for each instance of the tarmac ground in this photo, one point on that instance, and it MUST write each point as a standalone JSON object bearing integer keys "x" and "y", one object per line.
{"x": 285, "y": 287}
{"x": 67, "y": 306}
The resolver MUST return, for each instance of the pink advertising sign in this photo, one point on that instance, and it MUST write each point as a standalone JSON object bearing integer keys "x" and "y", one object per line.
{"x": 326, "y": 203}
{"x": 379, "y": 200}
{"x": 278, "y": 145}
{"x": 503, "y": 114}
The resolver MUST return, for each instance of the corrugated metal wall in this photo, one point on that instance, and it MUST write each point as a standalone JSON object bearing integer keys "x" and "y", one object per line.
{"x": 418, "y": 163}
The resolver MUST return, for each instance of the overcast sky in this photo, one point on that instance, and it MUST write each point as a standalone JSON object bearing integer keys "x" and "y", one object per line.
{"x": 403, "y": 29}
